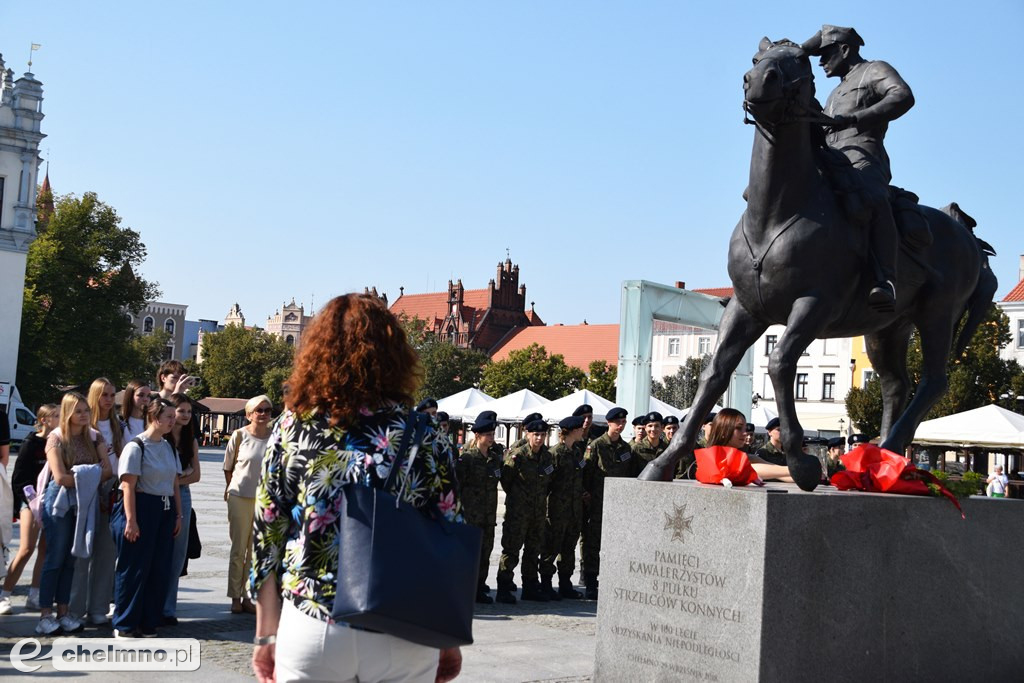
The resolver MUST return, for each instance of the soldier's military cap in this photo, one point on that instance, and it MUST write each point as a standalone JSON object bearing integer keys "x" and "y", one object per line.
{"x": 531, "y": 418}
{"x": 484, "y": 423}
{"x": 710, "y": 417}
{"x": 772, "y": 424}
{"x": 858, "y": 438}
{"x": 488, "y": 414}
{"x": 571, "y": 423}
{"x": 640, "y": 421}
{"x": 584, "y": 409}
{"x": 837, "y": 442}
{"x": 671, "y": 420}
{"x": 441, "y": 416}
{"x": 616, "y": 414}
{"x": 426, "y": 404}
{"x": 750, "y": 428}
{"x": 654, "y": 416}
{"x": 535, "y": 426}
{"x": 830, "y": 35}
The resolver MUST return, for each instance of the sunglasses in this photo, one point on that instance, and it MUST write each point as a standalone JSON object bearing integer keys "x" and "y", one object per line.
{"x": 262, "y": 411}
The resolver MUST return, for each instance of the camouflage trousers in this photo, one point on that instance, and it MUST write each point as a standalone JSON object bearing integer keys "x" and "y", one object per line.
{"x": 590, "y": 537}
{"x": 560, "y": 540}
{"x": 486, "y": 545}
{"x": 523, "y": 529}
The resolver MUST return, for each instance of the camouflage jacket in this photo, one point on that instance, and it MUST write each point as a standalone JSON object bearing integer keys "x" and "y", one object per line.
{"x": 613, "y": 459}
{"x": 769, "y": 453}
{"x": 526, "y": 475}
{"x": 565, "y": 493}
{"x": 478, "y": 474}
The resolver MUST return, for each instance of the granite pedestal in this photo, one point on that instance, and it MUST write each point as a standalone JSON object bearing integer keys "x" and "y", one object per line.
{"x": 704, "y": 583}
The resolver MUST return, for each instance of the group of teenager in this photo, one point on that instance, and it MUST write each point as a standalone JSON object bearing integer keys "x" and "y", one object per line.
{"x": 101, "y": 497}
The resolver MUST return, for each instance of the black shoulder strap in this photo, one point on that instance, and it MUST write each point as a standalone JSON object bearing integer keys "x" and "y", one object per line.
{"x": 413, "y": 433}
{"x": 142, "y": 446}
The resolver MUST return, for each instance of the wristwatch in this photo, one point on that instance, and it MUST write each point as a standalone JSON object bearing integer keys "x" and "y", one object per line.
{"x": 265, "y": 640}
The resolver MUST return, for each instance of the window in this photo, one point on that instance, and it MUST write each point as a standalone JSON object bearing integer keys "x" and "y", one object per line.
{"x": 769, "y": 344}
{"x": 169, "y": 326}
{"x": 1020, "y": 334}
{"x": 768, "y": 390}
{"x": 828, "y": 347}
{"x": 147, "y": 325}
{"x": 24, "y": 417}
{"x": 867, "y": 376}
{"x": 703, "y": 345}
{"x": 828, "y": 386}
{"x": 801, "y": 386}
{"x": 673, "y": 346}
{"x": 290, "y": 340}
{"x": 168, "y": 353}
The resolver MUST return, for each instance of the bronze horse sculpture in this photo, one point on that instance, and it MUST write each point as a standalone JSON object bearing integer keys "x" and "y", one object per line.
{"x": 796, "y": 259}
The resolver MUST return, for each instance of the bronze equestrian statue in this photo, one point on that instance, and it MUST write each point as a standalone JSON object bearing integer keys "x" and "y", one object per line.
{"x": 801, "y": 256}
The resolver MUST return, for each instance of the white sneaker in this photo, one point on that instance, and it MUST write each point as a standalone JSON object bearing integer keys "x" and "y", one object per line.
{"x": 70, "y": 624}
{"x": 32, "y": 601}
{"x": 5, "y": 605}
{"x": 124, "y": 635}
{"x": 47, "y": 626}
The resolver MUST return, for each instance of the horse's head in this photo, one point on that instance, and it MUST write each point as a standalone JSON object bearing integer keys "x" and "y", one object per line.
{"x": 781, "y": 85}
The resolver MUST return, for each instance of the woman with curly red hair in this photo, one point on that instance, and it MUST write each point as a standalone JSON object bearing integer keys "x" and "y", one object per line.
{"x": 347, "y": 405}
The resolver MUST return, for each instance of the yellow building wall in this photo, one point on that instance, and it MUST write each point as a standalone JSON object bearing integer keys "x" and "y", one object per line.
{"x": 859, "y": 355}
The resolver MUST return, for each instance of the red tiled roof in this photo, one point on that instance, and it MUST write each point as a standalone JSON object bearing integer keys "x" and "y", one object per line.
{"x": 724, "y": 292}
{"x": 1017, "y": 293}
{"x": 534, "y": 319}
{"x": 434, "y": 305}
{"x": 579, "y": 344}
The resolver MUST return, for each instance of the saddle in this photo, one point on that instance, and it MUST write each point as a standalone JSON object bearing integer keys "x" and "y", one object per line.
{"x": 852, "y": 192}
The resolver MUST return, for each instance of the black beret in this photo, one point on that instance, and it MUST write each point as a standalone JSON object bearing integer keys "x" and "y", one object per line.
{"x": 534, "y": 426}
{"x": 426, "y": 404}
{"x": 571, "y": 423}
{"x": 710, "y": 417}
{"x": 488, "y": 414}
{"x": 484, "y": 424}
{"x": 640, "y": 421}
{"x": 532, "y": 417}
{"x": 653, "y": 416}
{"x": 837, "y": 442}
{"x": 750, "y": 428}
{"x": 858, "y": 438}
{"x": 616, "y": 414}
{"x": 441, "y": 416}
{"x": 772, "y": 424}
{"x": 671, "y": 420}
{"x": 584, "y": 409}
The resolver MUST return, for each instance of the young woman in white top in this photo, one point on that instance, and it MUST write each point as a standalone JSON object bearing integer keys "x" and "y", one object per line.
{"x": 133, "y": 408}
{"x": 242, "y": 460}
{"x": 182, "y": 436}
{"x": 73, "y": 443}
{"x": 93, "y": 587}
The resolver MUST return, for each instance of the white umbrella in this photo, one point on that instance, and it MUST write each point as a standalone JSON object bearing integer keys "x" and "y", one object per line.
{"x": 564, "y": 407}
{"x": 515, "y": 407}
{"x": 465, "y": 405}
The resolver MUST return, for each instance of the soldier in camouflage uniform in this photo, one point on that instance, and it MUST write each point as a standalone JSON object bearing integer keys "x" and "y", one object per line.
{"x": 607, "y": 456}
{"x": 478, "y": 470}
{"x": 772, "y": 451}
{"x": 651, "y": 443}
{"x": 671, "y": 427}
{"x": 639, "y": 424}
{"x": 524, "y": 478}
{"x": 687, "y": 469}
{"x": 521, "y": 441}
{"x": 565, "y": 511}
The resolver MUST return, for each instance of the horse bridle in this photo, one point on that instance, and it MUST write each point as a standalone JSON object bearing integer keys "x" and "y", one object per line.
{"x": 794, "y": 112}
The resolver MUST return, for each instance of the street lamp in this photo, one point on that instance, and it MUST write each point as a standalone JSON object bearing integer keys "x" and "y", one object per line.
{"x": 841, "y": 423}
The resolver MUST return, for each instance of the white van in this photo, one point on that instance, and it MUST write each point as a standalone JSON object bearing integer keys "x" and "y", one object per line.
{"x": 21, "y": 419}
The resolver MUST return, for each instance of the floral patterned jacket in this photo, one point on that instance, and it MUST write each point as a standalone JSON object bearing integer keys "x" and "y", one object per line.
{"x": 298, "y": 499}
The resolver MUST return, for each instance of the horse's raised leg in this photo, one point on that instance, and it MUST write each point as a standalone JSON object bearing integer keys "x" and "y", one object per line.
{"x": 736, "y": 332}
{"x": 805, "y": 321}
{"x": 936, "y": 342}
{"x": 887, "y": 350}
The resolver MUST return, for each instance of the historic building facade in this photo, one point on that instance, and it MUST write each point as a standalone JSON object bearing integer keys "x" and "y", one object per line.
{"x": 165, "y": 317}
{"x": 21, "y": 116}
{"x": 289, "y": 322}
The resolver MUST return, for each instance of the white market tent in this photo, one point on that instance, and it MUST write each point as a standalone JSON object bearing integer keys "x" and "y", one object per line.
{"x": 686, "y": 411}
{"x": 465, "y": 405}
{"x": 563, "y": 407}
{"x": 989, "y": 427}
{"x": 665, "y": 409}
{"x": 515, "y": 407}
{"x": 760, "y": 416}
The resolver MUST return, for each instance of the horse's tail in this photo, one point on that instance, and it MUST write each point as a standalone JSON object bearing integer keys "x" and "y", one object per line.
{"x": 980, "y": 300}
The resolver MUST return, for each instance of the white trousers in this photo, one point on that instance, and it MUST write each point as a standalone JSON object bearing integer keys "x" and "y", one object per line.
{"x": 309, "y": 649}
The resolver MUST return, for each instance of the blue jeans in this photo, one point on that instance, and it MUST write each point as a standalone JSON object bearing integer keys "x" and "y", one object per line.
{"x": 140, "y": 575}
{"x": 179, "y": 552}
{"x": 59, "y": 567}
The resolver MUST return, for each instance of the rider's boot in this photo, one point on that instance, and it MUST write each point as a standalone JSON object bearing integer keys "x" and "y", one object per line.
{"x": 884, "y": 245}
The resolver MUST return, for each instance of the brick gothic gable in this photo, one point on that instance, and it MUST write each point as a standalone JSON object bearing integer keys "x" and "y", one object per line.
{"x": 473, "y": 318}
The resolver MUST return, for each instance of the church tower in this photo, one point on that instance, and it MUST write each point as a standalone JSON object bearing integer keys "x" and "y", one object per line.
{"x": 21, "y": 116}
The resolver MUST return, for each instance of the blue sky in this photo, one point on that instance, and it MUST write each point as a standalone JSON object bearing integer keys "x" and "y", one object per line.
{"x": 275, "y": 150}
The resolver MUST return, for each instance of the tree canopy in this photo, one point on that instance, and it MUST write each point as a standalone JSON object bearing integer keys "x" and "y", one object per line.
{"x": 80, "y": 286}
{"x": 447, "y": 369}
{"x": 977, "y": 377}
{"x": 236, "y": 361}
{"x": 601, "y": 379}
{"x": 532, "y": 368}
{"x": 679, "y": 389}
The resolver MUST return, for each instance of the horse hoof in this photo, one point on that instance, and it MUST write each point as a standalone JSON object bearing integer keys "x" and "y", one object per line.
{"x": 655, "y": 472}
{"x": 806, "y": 472}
